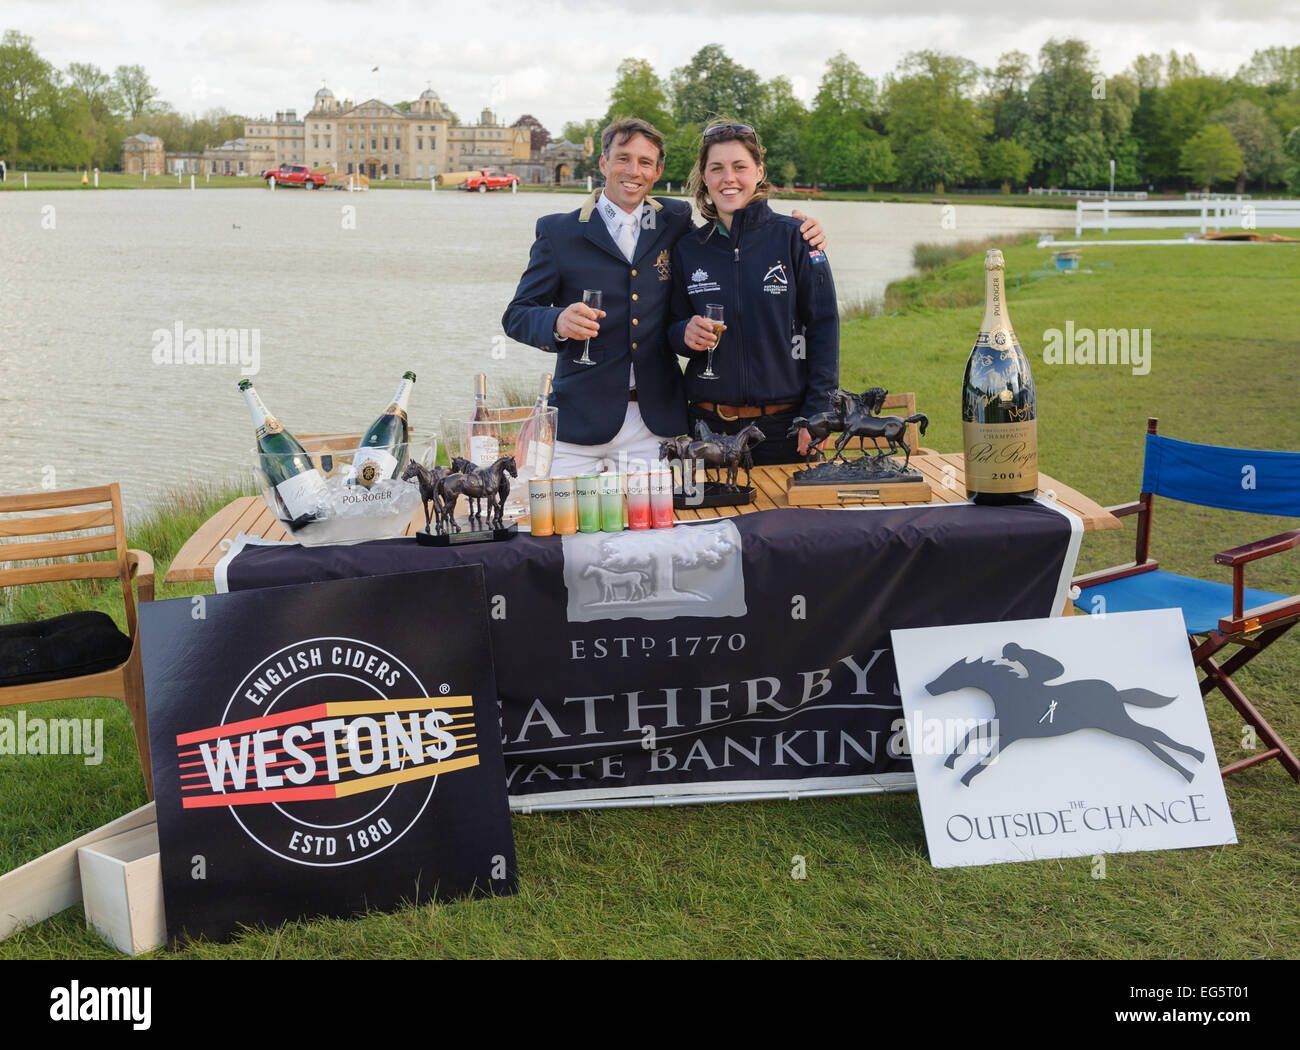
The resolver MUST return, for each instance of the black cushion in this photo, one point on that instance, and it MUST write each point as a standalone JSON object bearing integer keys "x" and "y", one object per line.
{"x": 62, "y": 647}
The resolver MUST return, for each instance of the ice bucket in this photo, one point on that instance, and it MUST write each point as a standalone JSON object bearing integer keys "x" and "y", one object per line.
{"x": 349, "y": 496}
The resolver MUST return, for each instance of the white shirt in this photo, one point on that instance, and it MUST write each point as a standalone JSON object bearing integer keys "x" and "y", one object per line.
{"x": 617, "y": 221}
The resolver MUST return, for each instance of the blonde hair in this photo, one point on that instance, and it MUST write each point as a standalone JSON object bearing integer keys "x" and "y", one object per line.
{"x": 725, "y": 131}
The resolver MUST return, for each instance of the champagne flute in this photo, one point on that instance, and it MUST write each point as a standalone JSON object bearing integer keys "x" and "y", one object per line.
{"x": 713, "y": 314}
{"x": 590, "y": 297}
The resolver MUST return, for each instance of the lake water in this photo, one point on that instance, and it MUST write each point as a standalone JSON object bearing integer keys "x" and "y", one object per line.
{"x": 339, "y": 293}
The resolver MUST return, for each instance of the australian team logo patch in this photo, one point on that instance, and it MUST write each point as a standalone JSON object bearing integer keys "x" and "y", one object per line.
{"x": 775, "y": 281}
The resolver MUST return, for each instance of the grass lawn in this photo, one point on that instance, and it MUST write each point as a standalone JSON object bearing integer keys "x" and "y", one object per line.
{"x": 716, "y": 881}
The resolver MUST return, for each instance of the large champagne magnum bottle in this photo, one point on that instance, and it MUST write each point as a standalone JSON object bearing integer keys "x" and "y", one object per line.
{"x": 484, "y": 446}
{"x": 383, "y": 448}
{"x": 299, "y": 486}
{"x": 999, "y": 418}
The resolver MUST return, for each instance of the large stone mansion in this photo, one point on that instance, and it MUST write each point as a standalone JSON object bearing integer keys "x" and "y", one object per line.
{"x": 387, "y": 142}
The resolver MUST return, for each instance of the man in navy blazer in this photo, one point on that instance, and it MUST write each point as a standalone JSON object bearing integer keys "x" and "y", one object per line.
{"x": 619, "y": 242}
{"x": 617, "y": 411}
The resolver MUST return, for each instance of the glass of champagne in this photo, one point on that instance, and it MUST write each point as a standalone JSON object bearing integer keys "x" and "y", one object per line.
{"x": 713, "y": 314}
{"x": 590, "y": 297}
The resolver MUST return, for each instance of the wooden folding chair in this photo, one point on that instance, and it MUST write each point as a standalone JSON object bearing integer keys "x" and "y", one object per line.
{"x": 1215, "y": 614}
{"x": 81, "y": 655}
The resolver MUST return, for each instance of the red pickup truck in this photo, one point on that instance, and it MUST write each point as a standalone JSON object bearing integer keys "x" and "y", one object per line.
{"x": 295, "y": 175}
{"x": 490, "y": 179}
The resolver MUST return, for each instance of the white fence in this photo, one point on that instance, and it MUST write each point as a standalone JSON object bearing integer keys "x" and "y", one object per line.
{"x": 1234, "y": 213}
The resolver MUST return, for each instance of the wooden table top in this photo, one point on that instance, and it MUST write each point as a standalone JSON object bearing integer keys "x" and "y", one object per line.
{"x": 945, "y": 473}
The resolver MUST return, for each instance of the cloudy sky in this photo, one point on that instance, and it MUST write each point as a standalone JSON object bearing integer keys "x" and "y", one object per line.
{"x": 556, "y": 60}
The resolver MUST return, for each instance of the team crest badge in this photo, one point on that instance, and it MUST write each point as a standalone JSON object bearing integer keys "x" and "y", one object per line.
{"x": 664, "y": 265}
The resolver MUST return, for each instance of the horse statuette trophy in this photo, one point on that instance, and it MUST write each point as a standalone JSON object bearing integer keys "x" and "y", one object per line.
{"x": 869, "y": 478}
{"x": 442, "y": 486}
{"x": 722, "y": 452}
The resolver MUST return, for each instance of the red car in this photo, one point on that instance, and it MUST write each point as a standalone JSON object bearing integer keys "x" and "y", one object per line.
{"x": 295, "y": 175}
{"x": 490, "y": 179}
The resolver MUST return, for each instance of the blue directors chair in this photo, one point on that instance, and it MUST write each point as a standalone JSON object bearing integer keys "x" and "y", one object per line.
{"x": 1217, "y": 615}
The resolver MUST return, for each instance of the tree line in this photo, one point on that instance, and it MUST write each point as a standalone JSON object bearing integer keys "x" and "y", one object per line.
{"x": 939, "y": 120}
{"x": 78, "y": 117}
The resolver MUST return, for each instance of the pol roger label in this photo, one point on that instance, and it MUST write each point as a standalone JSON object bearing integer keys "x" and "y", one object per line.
{"x": 304, "y": 493}
{"x": 1001, "y": 457}
{"x": 372, "y": 464}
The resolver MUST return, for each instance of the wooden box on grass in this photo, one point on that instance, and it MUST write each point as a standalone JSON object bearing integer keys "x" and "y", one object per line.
{"x": 121, "y": 884}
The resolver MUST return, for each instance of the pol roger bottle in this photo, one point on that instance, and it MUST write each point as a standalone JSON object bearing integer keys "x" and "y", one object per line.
{"x": 299, "y": 486}
{"x": 999, "y": 417}
{"x": 484, "y": 446}
{"x": 383, "y": 448}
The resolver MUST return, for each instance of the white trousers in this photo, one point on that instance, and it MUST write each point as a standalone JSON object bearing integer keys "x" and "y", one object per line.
{"x": 632, "y": 449}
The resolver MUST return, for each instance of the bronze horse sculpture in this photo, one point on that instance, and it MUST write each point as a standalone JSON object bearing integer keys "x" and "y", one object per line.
{"x": 731, "y": 451}
{"x": 431, "y": 494}
{"x": 860, "y": 422}
{"x": 476, "y": 484}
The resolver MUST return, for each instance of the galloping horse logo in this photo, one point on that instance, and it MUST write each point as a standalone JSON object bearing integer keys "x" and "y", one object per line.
{"x": 1026, "y": 707}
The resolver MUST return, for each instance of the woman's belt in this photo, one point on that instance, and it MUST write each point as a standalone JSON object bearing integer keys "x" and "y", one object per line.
{"x": 731, "y": 412}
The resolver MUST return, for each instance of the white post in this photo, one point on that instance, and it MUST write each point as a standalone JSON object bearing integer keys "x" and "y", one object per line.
{"x": 96, "y": 178}
{"x": 271, "y": 182}
{"x": 433, "y": 184}
{"x": 1078, "y": 218}
{"x": 1105, "y": 216}
{"x": 514, "y": 186}
{"x": 1205, "y": 208}
{"x": 144, "y": 175}
{"x": 24, "y": 180}
{"x": 191, "y": 180}
{"x": 1112, "y": 175}
{"x": 588, "y": 183}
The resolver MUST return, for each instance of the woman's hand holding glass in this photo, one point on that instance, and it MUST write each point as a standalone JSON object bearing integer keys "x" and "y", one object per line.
{"x": 700, "y": 334}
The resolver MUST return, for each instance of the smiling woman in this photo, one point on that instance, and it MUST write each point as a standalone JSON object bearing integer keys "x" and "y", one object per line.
{"x": 748, "y": 272}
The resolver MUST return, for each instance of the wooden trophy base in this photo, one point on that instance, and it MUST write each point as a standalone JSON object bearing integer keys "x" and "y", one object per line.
{"x": 865, "y": 488}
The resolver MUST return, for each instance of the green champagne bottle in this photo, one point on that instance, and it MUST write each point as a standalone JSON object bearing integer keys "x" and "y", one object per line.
{"x": 383, "y": 452}
{"x": 299, "y": 488}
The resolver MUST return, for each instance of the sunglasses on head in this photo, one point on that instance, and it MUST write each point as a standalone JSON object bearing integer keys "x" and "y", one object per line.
{"x": 740, "y": 129}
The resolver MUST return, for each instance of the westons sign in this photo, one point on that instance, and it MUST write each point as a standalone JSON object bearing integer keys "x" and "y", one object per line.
{"x": 282, "y": 778}
{"x": 329, "y": 751}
